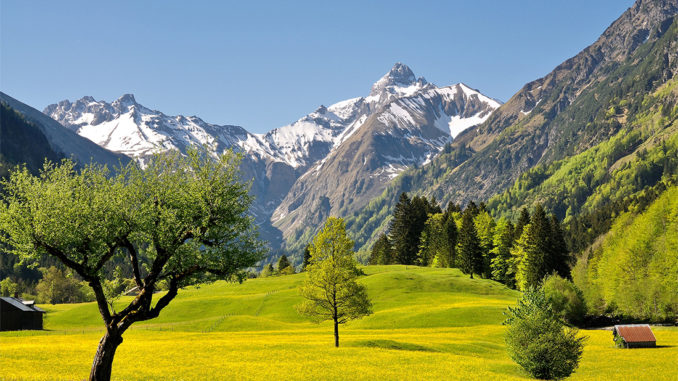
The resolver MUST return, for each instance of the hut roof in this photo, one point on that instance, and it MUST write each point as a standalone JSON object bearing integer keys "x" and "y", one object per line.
{"x": 635, "y": 333}
{"x": 17, "y": 304}
{"x": 21, "y": 306}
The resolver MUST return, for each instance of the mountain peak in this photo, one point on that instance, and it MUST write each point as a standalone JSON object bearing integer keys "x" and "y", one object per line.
{"x": 400, "y": 75}
{"x": 126, "y": 100}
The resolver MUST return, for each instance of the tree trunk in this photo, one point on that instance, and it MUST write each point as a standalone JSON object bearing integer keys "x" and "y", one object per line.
{"x": 336, "y": 333}
{"x": 471, "y": 275}
{"x": 103, "y": 360}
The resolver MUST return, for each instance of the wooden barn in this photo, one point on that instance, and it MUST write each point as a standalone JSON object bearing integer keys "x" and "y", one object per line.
{"x": 634, "y": 336}
{"x": 17, "y": 315}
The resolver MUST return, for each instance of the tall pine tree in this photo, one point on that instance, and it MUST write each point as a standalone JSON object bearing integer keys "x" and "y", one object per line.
{"x": 382, "y": 252}
{"x": 405, "y": 242}
{"x": 470, "y": 252}
{"x": 558, "y": 259}
{"x": 523, "y": 220}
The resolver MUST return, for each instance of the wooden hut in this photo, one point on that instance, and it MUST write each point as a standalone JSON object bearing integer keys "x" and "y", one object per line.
{"x": 634, "y": 336}
{"x": 16, "y": 315}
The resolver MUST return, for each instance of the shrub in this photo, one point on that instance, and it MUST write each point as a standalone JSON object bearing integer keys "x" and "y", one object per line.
{"x": 566, "y": 299}
{"x": 538, "y": 340}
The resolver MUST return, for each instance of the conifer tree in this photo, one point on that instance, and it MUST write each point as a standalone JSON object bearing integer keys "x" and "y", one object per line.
{"x": 382, "y": 252}
{"x": 283, "y": 263}
{"x": 406, "y": 229}
{"x": 501, "y": 265}
{"x": 559, "y": 257}
{"x": 535, "y": 247}
{"x": 470, "y": 252}
{"x": 307, "y": 256}
{"x": 523, "y": 220}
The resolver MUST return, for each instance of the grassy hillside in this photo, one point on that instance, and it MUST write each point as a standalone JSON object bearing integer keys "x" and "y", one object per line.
{"x": 428, "y": 324}
{"x": 403, "y": 297}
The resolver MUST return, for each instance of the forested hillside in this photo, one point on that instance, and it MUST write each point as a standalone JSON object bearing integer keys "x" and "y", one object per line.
{"x": 634, "y": 270}
{"x": 599, "y": 135}
{"x": 16, "y": 135}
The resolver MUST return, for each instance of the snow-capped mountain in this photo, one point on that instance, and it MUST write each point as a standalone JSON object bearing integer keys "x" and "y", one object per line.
{"x": 127, "y": 127}
{"x": 404, "y": 121}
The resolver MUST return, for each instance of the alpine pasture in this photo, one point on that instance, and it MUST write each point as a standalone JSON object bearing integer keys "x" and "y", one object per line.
{"x": 427, "y": 324}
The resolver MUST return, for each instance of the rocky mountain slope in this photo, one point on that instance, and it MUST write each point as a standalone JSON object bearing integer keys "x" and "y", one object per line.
{"x": 555, "y": 117}
{"x": 309, "y": 168}
{"x": 61, "y": 141}
{"x": 411, "y": 123}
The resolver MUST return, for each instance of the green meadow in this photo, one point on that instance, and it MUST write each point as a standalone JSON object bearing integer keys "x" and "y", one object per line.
{"x": 427, "y": 324}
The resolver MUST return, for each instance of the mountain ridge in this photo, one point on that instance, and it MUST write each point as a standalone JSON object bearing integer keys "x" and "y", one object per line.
{"x": 288, "y": 156}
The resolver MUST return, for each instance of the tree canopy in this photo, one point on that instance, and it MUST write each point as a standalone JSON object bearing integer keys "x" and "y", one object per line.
{"x": 182, "y": 220}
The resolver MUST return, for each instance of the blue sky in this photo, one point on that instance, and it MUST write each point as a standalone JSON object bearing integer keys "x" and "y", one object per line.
{"x": 262, "y": 65}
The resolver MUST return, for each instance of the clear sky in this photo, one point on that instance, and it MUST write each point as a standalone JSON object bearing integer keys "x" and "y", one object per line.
{"x": 262, "y": 65}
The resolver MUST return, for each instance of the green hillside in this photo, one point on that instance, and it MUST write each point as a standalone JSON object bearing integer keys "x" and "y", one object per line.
{"x": 403, "y": 297}
{"x": 427, "y": 324}
{"x": 634, "y": 270}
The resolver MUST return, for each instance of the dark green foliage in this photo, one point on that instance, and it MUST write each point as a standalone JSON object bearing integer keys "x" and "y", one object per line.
{"x": 283, "y": 263}
{"x": 541, "y": 250}
{"x": 537, "y": 340}
{"x": 382, "y": 252}
{"x": 523, "y": 220}
{"x": 307, "y": 256}
{"x": 402, "y": 233}
{"x": 22, "y": 143}
{"x": 558, "y": 260}
{"x": 470, "y": 251}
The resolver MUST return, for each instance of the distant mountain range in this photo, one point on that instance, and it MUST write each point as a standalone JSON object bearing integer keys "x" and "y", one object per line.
{"x": 331, "y": 161}
{"x": 353, "y": 158}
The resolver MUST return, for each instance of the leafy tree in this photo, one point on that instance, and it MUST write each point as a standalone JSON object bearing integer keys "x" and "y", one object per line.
{"x": 283, "y": 263}
{"x": 268, "y": 270}
{"x": 331, "y": 290}
{"x": 451, "y": 236}
{"x": 182, "y": 220}
{"x": 382, "y": 252}
{"x": 522, "y": 248}
{"x": 537, "y": 340}
{"x": 502, "y": 267}
{"x": 634, "y": 272}
{"x": 58, "y": 286}
{"x": 433, "y": 241}
{"x": 8, "y": 287}
{"x": 307, "y": 256}
{"x": 565, "y": 298}
{"x": 470, "y": 251}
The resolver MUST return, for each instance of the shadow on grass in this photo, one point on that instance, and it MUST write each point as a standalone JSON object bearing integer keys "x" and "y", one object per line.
{"x": 391, "y": 344}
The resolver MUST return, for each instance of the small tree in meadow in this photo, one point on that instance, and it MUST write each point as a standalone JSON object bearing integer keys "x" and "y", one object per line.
{"x": 331, "y": 290}
{"x": 538, "y": 340}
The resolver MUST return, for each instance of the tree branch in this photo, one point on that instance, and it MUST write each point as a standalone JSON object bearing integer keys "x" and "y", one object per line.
{"x": 134, "y": 258}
